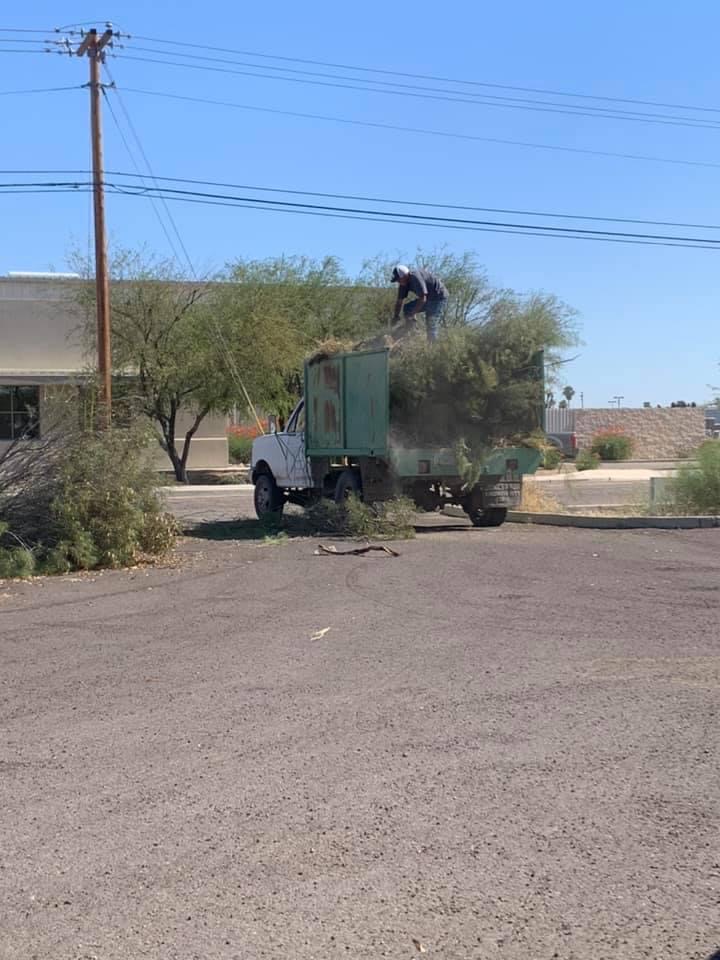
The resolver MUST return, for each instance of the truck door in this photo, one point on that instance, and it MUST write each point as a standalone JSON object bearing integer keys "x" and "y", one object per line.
{"x": 293, "y": 469}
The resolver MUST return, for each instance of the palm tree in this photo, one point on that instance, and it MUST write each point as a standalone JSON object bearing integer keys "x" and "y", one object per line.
{"x": 549, "y": 400}
{"x": 568, "y": 393}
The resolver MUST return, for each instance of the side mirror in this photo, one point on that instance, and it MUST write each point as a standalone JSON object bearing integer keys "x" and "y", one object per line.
{"x": 272, "y": 423}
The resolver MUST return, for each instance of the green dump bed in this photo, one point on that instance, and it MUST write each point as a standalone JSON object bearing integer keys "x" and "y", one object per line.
{"x": 346, "y": 405}
{"x": 347, "y": 415}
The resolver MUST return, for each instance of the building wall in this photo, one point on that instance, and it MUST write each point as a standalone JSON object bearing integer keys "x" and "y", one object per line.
{"x": 657, "y": 433}
{"x": 41, "y": 341}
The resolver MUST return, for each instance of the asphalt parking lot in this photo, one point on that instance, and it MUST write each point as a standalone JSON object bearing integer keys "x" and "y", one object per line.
{"x": 502, "y": 743}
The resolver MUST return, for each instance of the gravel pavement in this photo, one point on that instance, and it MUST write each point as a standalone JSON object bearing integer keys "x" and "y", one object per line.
{"x": 502, "y": 744}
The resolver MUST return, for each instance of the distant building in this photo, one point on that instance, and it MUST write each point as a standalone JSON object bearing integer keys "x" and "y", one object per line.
{"x": 42, "y": 360}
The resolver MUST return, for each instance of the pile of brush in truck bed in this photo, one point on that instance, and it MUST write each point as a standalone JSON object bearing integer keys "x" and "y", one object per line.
{"x": 482, "y": 384}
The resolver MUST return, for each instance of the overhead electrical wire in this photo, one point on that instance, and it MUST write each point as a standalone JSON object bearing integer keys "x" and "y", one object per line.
{"x": 157, "y": 178}
{"x": 139, "y": 173}
{"x": 138, "y": 141}
{"x": 425, "y": 76}
{"x": 13, "y": 93}
{"x": 23, "y": 30}
{"x": 482, "y": 98}
{"x": 394, "y": 216}
{"x": 531, "y": 230}
{"x": 570, "y": 111}
{"x": 501, "y": 141}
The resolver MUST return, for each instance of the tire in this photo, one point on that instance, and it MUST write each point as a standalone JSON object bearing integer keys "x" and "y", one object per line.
{"x": 267, "y": 497}
{"x": 348, "y": 485}
{"x": 492, "y": 517}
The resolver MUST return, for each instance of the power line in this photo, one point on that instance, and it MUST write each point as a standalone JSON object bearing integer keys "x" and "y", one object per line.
{"x": 425, "y": 76}
{"x": 131, "y": 155}
{"x": 169, "y": 215}
{"x": 533, "y": 230}
{"x": 424, "y": 203}
{"x": 12, "y": 93}
{"x": 22, "y": 40}
{"x": 482, "y": 98}
{"x": 646, "y": 158}
{"x": 375, "y": 216}
{"x": 569, "y": 111}
{"x": 436, "y": 219}
{"x": 23, "y": 30}
{"x": 371, "y": 199}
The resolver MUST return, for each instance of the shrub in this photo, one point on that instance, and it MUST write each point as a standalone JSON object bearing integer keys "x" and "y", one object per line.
{"x": 696, "y": 489}
{"x": 240, "y": 441}
{"x": 612, "y": 444}
{"x": 96, "y": 505}
{"x": 552, "y": 458}
{"x": 587, "y": 460}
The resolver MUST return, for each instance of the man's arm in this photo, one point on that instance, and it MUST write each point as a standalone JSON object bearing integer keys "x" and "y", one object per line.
{"x": 402, "y": 294}
{"x": 418, "y": 305}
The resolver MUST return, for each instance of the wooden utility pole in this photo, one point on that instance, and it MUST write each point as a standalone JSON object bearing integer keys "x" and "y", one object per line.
{"x": 92, "y": 46}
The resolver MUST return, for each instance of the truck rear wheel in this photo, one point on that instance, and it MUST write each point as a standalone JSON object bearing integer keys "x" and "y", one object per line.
{"x": 492, "y": 517}
{"x": 268, "y": 499}
{"x": 348, "y": 485}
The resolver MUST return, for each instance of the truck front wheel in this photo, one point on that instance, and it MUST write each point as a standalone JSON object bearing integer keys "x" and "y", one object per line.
{"x": 492, "y": 517}
{"x": 268, "y": 498}
{"x": 348, "y": 485}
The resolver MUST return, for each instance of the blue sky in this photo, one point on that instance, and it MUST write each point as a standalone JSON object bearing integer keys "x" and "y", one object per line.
{"x": 649, "y": 314}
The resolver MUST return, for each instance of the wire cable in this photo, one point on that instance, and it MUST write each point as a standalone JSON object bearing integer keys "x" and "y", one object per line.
{"x": 679, "y": 122}
{"x": 150, "y": 170}
{"x": 518, "y": 230}
{"x": 482, "y": 98}
{"x": 139, "y": 173}
{"x": 350, "y": 196}
{"x": 378, "y": 125}
{"x": 12, "y": 93}
{"x": 425, "y": 76}
{"x": 424, "y": 203}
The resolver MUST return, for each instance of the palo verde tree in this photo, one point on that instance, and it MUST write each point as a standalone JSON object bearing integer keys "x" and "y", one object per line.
{"x": 182, "y": 350}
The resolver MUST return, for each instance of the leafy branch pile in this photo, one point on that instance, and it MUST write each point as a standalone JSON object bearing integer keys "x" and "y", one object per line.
{"x": 482, "y": 383}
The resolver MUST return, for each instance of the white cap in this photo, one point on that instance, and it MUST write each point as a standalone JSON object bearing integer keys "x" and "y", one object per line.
{"x": 400, "y": 271}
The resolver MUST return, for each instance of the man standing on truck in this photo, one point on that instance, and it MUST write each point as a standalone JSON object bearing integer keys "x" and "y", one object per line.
{"x": 431, "y": 297}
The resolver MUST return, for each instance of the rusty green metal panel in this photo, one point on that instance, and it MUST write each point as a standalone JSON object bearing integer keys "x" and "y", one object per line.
{"x": 346, "y": 401}
{"x": 441, "y": 463}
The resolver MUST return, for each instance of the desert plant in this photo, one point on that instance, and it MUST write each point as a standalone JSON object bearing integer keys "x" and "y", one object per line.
{"x": 240, "y": 441}
{"x": 552, "y": 458}
{"x": 612, "y": 444}
{"x": 587, "y": 460}
{"x": 696, "y": 489}
{"x": 80, "y": 500}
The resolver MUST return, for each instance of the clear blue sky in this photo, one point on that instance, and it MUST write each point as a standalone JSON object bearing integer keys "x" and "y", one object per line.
{"x": 649, "y": 314}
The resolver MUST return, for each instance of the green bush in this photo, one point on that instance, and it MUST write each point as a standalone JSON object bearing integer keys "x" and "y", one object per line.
{"x": 587, "y": 460}
{"x": 552, "y": 458}
{"x": 15, "y": 561}
{"x": 239, "y": 448}
{"x": 612, "y": 445}
{"x": 97, "y": 507}
{"x": 106, "y": 511}
{"x": 696, "y": 489}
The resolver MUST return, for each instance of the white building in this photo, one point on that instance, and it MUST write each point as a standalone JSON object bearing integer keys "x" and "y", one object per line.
{"x": 41, "y": 357}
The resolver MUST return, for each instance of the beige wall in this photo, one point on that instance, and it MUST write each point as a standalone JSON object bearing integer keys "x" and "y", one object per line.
{"x": 657, "y": 433}
{"x": 40, "y": 338}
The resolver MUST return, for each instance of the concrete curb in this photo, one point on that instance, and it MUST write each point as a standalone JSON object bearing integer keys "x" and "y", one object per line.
{"x": 613, "y": 523}
{"x": 602, "y": 523}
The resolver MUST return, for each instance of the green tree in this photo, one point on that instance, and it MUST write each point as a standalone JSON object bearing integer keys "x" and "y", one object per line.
{"x": 568, "y": 393}
{"x": 185, "y": 347}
